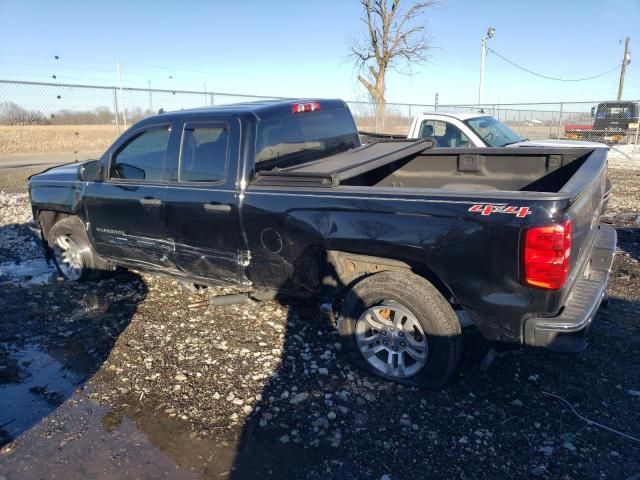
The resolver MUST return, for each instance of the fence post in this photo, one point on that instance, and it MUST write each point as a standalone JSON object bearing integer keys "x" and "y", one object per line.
{"x": 375, "y": 119}
{"x": 212, "y": 102}
{"x": 115, "y": 111}
{"x": 560, "y": 120}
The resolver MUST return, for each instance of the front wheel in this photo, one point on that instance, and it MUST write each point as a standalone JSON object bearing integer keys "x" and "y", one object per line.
{"x": 72, "y": 253}
{"x": 398, "y": 326}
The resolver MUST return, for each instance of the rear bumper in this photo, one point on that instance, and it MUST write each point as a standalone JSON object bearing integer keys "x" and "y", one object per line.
{"x": 565, "y": 332}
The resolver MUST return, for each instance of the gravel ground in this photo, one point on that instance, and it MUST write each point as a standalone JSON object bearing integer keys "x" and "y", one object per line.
{"x": 264, "y": 392}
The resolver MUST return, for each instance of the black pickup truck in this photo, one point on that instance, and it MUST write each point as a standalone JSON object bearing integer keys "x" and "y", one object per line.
{"x": 281, "y": 198}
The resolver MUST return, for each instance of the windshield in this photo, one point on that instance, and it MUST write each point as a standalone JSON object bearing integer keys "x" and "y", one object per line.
{"x": 297, "y": 138}
{"x": 493, "y": 132}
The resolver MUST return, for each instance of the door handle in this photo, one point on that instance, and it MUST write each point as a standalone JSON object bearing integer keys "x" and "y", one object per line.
{"x": 156, "y": 202}
{"x": 217, "y": 207}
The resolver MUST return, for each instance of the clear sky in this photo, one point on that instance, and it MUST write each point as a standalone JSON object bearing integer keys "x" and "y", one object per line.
{"x": 298, "y": 48}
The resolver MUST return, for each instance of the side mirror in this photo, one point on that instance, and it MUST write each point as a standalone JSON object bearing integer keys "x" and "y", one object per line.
{"x": 90, "y": 171}
{"x": 593, "y": 111}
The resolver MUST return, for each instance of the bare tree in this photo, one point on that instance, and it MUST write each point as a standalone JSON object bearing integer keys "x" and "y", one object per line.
{"x": 13, "y": 114}
{"x": 396, "y": 38}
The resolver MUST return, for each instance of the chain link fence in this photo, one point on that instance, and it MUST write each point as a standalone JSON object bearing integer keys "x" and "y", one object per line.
{"x": 47, "y": 124}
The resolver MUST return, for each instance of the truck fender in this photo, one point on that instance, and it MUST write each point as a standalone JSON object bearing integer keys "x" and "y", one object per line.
{"x": 344, "y": 269}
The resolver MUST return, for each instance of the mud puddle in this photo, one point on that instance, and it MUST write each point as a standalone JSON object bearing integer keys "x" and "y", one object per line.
{"x": 84, "y": 439}
{"x": 34, "y": 382}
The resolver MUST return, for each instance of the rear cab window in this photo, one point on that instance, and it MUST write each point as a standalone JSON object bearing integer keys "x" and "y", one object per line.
{"x": 617, "y": 110}
{"x": 297, "y": 138}
{"x": 203, "y": 152}
{"x": 444, "y": 134}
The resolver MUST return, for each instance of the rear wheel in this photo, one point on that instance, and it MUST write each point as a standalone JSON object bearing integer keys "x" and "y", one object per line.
{"x": 398, "y": 326}
{"x": 72, "y": 253}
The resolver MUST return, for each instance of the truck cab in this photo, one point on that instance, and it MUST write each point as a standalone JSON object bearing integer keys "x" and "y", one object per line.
{"x": 613, "y": 123}
{"x": 459, "y": 130}
{"x": 616, "y": 116}
{"x": 478, "y": 130}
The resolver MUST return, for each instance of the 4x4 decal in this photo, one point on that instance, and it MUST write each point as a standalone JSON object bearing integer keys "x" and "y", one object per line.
{"x": 488, "y": 209}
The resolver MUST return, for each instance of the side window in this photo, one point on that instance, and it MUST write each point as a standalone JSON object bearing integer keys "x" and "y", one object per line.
{"x": 445, "y": 134}
{"x": 143, "y": 157}
{"x": 203, "y": 154}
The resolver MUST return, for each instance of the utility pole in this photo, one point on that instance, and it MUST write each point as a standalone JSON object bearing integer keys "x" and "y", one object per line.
{"x": 124, "y": 111}
{"x": 436, "y": 102}
{"x": 626, "y": 60}
{"x": 483, "y": 53}
{"x": 150, "y": 97}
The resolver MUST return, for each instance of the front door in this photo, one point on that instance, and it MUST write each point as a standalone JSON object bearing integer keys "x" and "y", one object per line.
{"x": 201, "y": 202}
{"x": 125, "y": 212}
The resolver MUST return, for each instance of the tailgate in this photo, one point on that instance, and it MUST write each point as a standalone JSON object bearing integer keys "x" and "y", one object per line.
{"x": 588, "y": 189}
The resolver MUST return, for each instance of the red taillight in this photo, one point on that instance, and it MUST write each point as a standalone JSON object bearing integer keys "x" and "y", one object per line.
{"x": 547, "y": 251}
{"x": 305, "y": 107}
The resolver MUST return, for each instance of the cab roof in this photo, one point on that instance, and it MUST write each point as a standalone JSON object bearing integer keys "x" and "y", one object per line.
{"x": 261, "y": 108}
{"x": 458, "y": 115}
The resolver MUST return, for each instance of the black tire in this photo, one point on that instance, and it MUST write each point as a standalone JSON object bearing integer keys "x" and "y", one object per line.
{"x": 71, "y": 231}
{"x": 410, "y": 292}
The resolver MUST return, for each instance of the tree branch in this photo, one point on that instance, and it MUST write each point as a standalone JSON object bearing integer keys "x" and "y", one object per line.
{"x": 396, "y": 38}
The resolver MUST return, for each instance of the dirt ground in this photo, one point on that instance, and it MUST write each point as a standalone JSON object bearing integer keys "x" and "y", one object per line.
{"x": 117, "y": 378}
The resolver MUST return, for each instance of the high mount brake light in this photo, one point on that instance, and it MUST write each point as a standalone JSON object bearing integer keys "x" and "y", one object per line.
{"x": 547, "y": 251}
{"x": 305, "y": 107}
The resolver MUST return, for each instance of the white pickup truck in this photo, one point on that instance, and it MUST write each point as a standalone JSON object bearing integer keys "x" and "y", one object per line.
{"x": 460, "y": 130}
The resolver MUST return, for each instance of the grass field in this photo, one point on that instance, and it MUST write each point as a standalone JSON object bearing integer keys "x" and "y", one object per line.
{"x": 26, "y": 139}
{"x": 55, "y": 138}
{"x": 15, "y": 180}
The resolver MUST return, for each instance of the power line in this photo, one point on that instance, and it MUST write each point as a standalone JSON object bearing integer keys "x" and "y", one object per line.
{"x": 61, "y": 60}
{"x": 548, "y": 77}
{"x": 85, "y": 69}
{"x": 42, "y": 77}
{"x": 65, "y": 67}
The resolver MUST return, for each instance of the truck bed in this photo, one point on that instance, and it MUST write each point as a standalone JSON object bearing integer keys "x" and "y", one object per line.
{"x": 414, "y": 164}
{"x": 337, "y": 169}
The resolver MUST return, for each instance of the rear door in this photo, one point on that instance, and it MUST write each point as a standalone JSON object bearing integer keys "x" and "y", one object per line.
{"x": 126, "y": 211}
{"x": 202, "y": 204}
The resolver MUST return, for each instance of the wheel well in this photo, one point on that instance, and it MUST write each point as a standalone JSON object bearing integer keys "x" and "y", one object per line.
{"x": 48, "y": 218}
{"x": 345, "y": 269}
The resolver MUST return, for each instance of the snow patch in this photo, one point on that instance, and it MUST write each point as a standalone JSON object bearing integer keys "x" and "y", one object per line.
{"x": 28, "y": 272}
{"x": 10, "y": 199}
{"x": 625, "y": 153}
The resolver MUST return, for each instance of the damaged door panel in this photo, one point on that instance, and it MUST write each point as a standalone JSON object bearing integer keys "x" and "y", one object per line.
{"x": 126, "y": 211}
{"x": 202, "y": 202}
